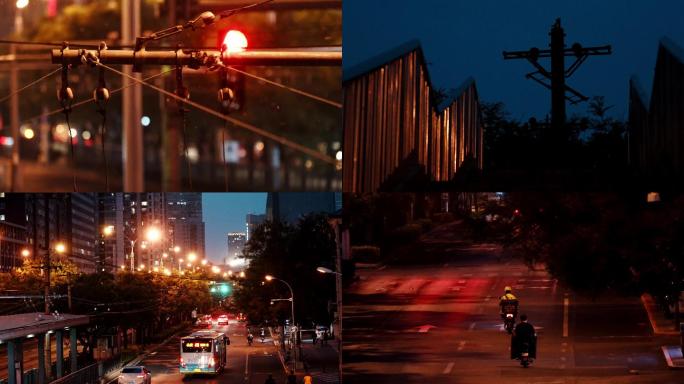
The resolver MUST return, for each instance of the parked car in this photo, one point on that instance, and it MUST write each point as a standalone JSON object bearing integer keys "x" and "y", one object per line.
{"x": 135, "y": 375}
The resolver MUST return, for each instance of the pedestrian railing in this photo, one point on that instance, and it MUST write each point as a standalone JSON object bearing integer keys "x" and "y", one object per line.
{"x": 87, "y": 375}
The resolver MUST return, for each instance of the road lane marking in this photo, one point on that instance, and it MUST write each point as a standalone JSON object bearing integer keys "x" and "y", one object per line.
{"x": 461, "y": 344}
{"x": 472, "y": 326}
{"x": 425, "y": 328}
{"x": 448, "y": 368}
{"x": 246, "y": 365}
{"x": 566, "y": 304}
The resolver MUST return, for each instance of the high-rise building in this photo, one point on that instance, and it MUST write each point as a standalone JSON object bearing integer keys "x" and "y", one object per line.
{"x": 184, "y": 221}
{"x": 236, "y": 242}
{"x": 289, "y": 207}
{"x": 251, "y": 222}
{"x": 13, "y": 236}
{"x": 112, "y": 240}
{"x": 68, "y": 218}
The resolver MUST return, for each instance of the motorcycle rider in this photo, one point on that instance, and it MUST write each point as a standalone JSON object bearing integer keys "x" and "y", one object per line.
{"x": 524, "y": 333}
{"x": 507, "y": 300}
{"x": 250, "y": 338}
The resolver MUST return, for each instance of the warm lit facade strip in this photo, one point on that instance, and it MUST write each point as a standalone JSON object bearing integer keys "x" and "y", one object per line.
{"x": 656, "y": 140}
{"x": 393, "y": 128}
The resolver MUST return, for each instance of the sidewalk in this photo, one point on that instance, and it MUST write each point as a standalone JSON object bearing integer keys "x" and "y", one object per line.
{"x": 321, "y": 361}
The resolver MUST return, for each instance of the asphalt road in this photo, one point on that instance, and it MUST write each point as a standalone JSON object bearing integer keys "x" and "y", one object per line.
{"x": 246, "y": 364}
{"x": 440, "y": 324}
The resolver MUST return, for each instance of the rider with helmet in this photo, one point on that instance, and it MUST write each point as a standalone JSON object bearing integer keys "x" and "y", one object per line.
{"x": 508, "y": 303}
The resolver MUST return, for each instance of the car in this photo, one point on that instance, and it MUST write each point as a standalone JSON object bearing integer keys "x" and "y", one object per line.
{"x": 321, "y": 330}
{"x": 204, "y": 321}
{"x": 136, "y": 374}
{"x": 222, "y": 320}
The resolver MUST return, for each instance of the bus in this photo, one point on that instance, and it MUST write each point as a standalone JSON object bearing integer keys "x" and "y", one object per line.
{"x": 203, "y": 352}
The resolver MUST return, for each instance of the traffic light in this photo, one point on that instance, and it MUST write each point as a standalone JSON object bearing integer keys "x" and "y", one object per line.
{"x": 231, "y": 93}
{"x": 222, "y": 290}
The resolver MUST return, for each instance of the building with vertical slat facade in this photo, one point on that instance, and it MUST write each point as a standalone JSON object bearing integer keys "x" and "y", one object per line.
{"x": 394, "y": 130}
{"x": 656, "y": 139}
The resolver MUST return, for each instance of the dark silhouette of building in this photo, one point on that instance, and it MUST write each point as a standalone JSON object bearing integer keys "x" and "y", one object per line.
{"x": 13, "y": 235}
{"x": 291, "y": 206}
{"x": 656, "y": 139}
{"x": 398, "y": 134}
{"x": 252, "y": 221}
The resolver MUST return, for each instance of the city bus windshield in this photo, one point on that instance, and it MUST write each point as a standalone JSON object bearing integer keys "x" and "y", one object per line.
{"x": 196, "y": 345}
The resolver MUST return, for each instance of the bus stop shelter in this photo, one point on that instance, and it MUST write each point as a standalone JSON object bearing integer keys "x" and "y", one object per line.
{"x": 15, "y": 329}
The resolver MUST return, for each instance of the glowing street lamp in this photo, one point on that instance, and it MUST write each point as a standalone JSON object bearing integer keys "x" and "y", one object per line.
{"x": 60, "y": 247}
{"x": 108, "y": 230}
{"x": 192, "y": 256}
{"x": 153, "y": 234}
{"x": 25, "y": 252}
{"x": 204, "y": 261}
{"x": 216, "y": 269}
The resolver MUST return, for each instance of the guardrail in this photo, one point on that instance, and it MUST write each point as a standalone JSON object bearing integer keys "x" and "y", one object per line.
{"x": 86, "y": 375}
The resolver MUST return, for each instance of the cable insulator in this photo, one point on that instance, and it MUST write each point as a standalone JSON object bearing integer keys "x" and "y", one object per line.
{"x": 225, "y": 94}
{"x": 101, "y": 94}
{"x": 65, "y": 94}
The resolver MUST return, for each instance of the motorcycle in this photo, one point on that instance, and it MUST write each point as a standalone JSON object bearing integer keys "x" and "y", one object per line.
{"x": 509, "y": 322}
{"x": 525, "y": 359}
{"x": 524, "y": 350}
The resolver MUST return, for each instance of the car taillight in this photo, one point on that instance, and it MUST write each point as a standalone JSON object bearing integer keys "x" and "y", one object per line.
{"x": 181, "y": 362}
{"x": 211, "y": 362}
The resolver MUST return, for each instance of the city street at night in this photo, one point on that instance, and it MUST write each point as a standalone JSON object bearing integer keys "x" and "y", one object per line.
{"x": 439, "y": 323}
{"x": 246, "y": 364}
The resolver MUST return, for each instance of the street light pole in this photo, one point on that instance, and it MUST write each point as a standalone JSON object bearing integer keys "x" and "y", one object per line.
{"x": 269, "y": 277}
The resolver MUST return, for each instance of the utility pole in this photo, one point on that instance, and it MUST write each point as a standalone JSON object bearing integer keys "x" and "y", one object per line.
{"x": 338, "y": 283}
{"x": 14, "y": 106}
{"x": 555, "y": 78}
{"x": 46, "y": 266}
{"x": 131, "y": 104}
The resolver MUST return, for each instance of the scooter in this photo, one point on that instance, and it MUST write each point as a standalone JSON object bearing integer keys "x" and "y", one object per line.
{"x": 509, "y": 323}
{"x": 525, "y": 359}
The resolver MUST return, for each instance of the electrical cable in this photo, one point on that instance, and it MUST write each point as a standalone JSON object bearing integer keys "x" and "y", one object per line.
{"x": 291, "y": 89}
{"x": 65, "y": 95}
{"x": 101, "y": 97}
{"x": 254, "y": 129}
{"x": 86, "y": 101}
{"x": 183, "y": 92}
{"x": 31, "y": 84}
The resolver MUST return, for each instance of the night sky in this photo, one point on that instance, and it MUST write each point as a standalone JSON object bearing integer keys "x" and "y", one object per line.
{"x": 464, "y": 38}
{"x": 225, "y": 212}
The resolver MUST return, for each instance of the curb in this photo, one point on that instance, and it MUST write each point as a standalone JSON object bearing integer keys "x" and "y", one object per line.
{"x": 280, "y": 355}
{"x": 647, "y": 300}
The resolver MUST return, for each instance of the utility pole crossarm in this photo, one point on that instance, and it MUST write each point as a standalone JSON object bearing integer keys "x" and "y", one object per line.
{"x": 198, "y": 58}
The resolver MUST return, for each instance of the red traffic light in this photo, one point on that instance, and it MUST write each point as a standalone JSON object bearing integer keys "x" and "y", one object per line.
{"x": 235, "y": 41}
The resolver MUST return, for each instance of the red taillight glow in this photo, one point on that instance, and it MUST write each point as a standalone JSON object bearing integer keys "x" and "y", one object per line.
{"x": 235, "y": 41}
